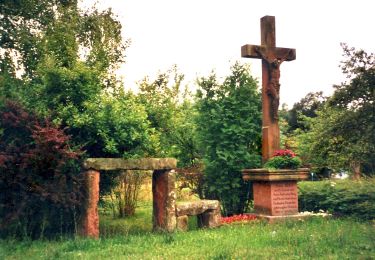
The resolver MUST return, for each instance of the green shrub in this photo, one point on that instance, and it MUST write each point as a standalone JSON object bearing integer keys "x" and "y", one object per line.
{"x": 341, "y": 198}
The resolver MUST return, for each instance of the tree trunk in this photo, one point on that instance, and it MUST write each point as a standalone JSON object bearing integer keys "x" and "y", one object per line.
{"x": 356, "y": 167}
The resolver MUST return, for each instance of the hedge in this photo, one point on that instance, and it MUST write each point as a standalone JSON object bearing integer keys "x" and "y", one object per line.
{"x": 339, "y": 197}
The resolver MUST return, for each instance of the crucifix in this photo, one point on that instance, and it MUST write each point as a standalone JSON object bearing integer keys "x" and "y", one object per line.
{"x": 272, "y": 57}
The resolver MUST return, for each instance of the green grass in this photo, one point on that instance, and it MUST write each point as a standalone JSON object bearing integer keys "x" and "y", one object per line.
{"x": 132, "y": 238}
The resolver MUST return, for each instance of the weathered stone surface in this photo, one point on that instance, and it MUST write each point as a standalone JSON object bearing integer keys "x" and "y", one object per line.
{"x": 276, "y": 198}
{"x": 130, "y": 164}
{"x": 209, "y": 219}
{"x": 182, "y": 223}
{"x": 89, "y": 220}
{"x": 164, "y": 200}
{"x": 275, "y": 175}
{"x": 193, "y": 208}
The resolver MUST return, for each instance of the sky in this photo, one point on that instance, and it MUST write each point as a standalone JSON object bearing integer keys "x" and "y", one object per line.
{"x": 204, "y": 35}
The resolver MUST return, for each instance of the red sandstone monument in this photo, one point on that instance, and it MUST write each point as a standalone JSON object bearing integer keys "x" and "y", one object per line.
{"x": 275, "y": 191}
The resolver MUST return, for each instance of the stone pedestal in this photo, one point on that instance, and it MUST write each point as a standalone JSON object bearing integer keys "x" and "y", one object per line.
{"x": 275, "y": 191}
{"x": 89, "y": 220}
{"x": 164, "y": 200}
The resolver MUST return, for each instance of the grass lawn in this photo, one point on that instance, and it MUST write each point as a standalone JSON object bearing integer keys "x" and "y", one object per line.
{"x": 132, "y": 238}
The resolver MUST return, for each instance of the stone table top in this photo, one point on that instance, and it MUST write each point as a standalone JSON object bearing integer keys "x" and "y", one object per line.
{"x": 130, "y": 164}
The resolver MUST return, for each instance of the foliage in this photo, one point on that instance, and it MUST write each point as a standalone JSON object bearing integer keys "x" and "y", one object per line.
{"x": 112, "y": 126}
{"x": 170, "y": 112}
{"x": 341, "y": 137}
{"x": 306, "y": 107}
{"x": 39, "y": 181}
{"x": 35, "y": 29}
{"x": 341, "y": 197}
{"x": 192, "y": 178}
{"x": 283, "y": 159}
{"x": 68, "y": 56}
{"x": 228, "y": 131}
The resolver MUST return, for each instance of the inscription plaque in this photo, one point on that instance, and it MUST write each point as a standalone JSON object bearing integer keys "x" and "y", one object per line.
{"x": 284, "y": 198}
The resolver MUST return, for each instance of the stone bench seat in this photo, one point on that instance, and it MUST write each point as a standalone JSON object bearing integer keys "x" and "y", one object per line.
{"x": 207, "y": 212}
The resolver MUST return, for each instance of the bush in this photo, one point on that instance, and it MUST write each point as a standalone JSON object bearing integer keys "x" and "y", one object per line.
{"x": 40, "y": 190}
{"x": 341, "y": 198}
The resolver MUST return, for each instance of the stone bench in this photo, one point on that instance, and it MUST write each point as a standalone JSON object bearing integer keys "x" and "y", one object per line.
{"x": 207, "y": 212}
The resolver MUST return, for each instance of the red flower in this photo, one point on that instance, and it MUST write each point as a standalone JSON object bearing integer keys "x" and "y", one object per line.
{"x": 237, "y": 218}
{"x": 284, "y": 152}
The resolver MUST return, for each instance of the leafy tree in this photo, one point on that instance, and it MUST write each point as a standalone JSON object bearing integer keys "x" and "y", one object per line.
{"x": 112, "y": 126}
{"x": 342, "y": 136}
{"x": 228, "y": 129}
{"x": 170, "y": 112}
{"x": 33, "y": 29}
{"x": 306, "y": 107}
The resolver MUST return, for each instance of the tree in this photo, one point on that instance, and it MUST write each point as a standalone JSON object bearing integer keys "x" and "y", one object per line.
{"x": 170, "y": 112}
{"x": 33, "y": 29}
{"x": 307, "y": 107}
{"x": 342, "y": 136}
{"x": 228, "y": 130}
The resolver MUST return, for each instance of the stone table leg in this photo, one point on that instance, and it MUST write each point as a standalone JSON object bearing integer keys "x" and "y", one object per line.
{"x": 89, "y": 221}
{"x": 164, "y": 200}
{"x": 209, "y": 219}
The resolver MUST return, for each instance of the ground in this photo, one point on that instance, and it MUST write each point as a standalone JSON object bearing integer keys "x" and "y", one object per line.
{"x": 318, "y": 238}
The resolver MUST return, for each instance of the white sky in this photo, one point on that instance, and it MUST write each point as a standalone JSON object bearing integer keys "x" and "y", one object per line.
{"x": 201, "y": 35}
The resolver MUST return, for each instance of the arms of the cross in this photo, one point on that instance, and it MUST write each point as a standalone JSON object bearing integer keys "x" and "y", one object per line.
{"x": 260, "y": 52}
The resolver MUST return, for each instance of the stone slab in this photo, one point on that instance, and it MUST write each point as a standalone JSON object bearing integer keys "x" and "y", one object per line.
{"x": 263, "y": 174}
{"x": 193, "y": 208}
{"x": 130, "y": 164}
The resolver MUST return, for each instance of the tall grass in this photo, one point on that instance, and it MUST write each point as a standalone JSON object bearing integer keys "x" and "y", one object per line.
{"x": 132, "y": 238}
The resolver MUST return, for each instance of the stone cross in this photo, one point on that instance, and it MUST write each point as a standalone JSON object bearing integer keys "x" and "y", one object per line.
{"x": 272, "y": 57}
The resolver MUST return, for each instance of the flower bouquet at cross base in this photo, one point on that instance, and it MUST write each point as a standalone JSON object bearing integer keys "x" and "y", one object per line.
{"x": 283, "y": 159}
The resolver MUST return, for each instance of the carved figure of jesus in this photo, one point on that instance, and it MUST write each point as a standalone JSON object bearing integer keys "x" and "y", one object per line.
{"x": 273, "y": 87}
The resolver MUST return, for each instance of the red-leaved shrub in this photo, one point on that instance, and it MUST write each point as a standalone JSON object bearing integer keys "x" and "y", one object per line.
{"x": 39, "y": 176}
